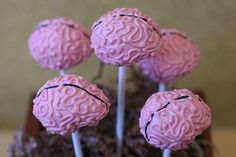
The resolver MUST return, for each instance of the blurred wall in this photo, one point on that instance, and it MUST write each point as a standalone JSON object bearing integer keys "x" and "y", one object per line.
{"x": 211, "y": 23}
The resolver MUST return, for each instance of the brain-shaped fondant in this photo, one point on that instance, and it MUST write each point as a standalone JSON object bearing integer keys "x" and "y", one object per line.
{"x": 67, "y": 103}
{"x": 178, "y": 56}
{"x": 172, "y": 119}
{"x": 124, "y": 36}
{"x": 59, "y": 44}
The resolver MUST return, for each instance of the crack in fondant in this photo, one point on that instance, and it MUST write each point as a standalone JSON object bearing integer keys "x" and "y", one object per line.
{"x": 41, "y": 26}
{"x": 152, "y": 115}
{"x": 45, "y": 25}
{"x": 73, "y": 26}
{"x": 182, "y": 97}
{"x": 46, "y": 89}
{"x": 135, "y": 17}
{"x": 65, "y": 84}
{"x": 97, "y": 24}
{"x": 176, "y": 33}
{"x": 144, "y": 19}
{"x": 69, "y": 25}
{"x": 163, "y": 107}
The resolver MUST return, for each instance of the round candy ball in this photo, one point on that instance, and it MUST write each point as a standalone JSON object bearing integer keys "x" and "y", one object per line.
{"x": 178, "y": 56}
{"x": 59, "y": 44}
{"x": 67, "y": 103}
{"x": 124, "y": 36}
{"x": 172, "y": 119}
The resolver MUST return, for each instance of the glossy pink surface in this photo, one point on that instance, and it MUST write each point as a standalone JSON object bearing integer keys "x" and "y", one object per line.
{"x": 67, "y": 103}
{"x": 172, "y": 119}
{"x": 178, "y": 56}
{"x": 59, "y": 44}
{"x": 124, "y": 36}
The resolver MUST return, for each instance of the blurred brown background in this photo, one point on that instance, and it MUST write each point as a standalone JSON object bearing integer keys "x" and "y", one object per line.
{"x": 211, "y": 23}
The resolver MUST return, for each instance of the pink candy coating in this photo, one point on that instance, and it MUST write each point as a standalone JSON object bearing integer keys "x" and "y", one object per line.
{"x": 59, "y": 44}
{"x": 124, "y": 36}
{"x": 172, "y": 119}
{"x": 178, "y": 56}
{"x": 67, "y": 103}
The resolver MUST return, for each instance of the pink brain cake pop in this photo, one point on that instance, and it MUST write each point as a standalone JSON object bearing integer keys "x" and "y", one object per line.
{"x": 178, "y": 56}
{"x": 172, "y": 119}
{"x": 124, "y": 36}
{"x": 67, "y": 103}
{"x": 59, "y": 44}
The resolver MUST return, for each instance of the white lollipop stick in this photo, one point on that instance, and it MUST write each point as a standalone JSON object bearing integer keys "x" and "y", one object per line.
{"x": 76, "y": 144}
{"x": 166, "y": 153}
{"x": 75, "y": 135}
{"x": 162, "y": 88}
{"x": 120, "y": 110}
{"x": 62, "y": 72}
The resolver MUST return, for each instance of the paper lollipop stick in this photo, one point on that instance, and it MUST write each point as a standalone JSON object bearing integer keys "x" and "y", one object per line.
{"x": 161, "y": 87}
{"x": 62, "y": 72}
{"x": 122, "y": 37}
{"x": 166, "y": 153}
{"x": 59, "y": 44}
{"x": 76, "y": 144}
{"x": 120, "y": 109}
{"x": 171, "y": 120}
